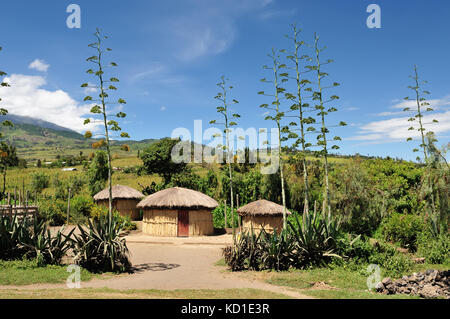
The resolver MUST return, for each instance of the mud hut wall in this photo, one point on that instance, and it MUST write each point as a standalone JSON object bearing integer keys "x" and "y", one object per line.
{"x": 160, "y": 222}
{"x": 269, "y": 223}
{"x": 200, "y": 223}
{"x": 126, "y": 207}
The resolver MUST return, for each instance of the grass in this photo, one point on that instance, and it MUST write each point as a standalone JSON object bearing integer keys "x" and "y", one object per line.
{"x": 26, "y": 272}
{"x": 105, "y": 293}
{"x": 347, "y": 283}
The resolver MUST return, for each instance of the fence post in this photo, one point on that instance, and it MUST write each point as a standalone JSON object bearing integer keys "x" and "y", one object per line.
{"x": 68, "y": 208}
{"x": 15, "y": 195}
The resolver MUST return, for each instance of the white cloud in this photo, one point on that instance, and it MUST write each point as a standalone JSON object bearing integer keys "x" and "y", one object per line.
{"x": 39, "y": 65}
{"x": 396, "y": 129}
{"x": 163, "y": 108}
{"x": 27, "y": 97}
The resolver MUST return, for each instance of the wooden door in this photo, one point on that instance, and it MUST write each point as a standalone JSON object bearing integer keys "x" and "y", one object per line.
{"x": 183, "y": 223}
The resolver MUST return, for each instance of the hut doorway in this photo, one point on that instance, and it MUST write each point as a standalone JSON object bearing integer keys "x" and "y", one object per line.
{"x": 183, "y": 223}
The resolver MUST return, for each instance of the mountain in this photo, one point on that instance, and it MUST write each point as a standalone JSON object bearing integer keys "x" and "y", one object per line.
{"x": 18, "y": 119}
{"x": 30, "y": 132}
{"x": 35, "y": 138}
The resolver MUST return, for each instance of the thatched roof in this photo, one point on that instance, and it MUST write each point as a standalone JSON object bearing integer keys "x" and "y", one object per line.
{"x": 119, "y": 192}
{"x": 178, "y": 198}
{"x": 261, "y": 207}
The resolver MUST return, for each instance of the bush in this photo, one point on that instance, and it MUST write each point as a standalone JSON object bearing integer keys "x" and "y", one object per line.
{"x": 355, "y": 249}
{"x": 54, "y": 211}
{"x": 80, "y": 208}
{"x": 39, "y": 181}
{"x": 99, "y": 211}
{"x": 403, "y": 229}
{"x": 99, "y": 247}
{"x": 436, "y": 250}
{"x": 394, "y": 263}
{"x": 219, "y": 217}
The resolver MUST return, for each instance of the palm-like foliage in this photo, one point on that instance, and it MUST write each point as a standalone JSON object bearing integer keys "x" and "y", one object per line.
{"x": 100, "y": 248}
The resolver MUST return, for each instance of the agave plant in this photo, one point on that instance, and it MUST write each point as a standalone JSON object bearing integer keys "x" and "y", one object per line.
{"x": 100, "y": 248}
{"x": 47, "y": 249}
{"x": 316, "y": 238}
{"x": 13, "y": 232}
{"x": 277, "y": 251}
{"x": 245, "y": 253}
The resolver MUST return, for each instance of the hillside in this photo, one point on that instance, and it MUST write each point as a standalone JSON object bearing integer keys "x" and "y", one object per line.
{"x": 38, "y": 139}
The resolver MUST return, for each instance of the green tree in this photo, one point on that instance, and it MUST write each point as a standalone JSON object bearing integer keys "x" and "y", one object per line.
{"x": 8, "y": 158}
{"x": 98, "y": 172}
{"x": 277, "y": 114}
{"x": 157, "y": 159}
{"x": 102, "y": 109}
{"x": 229, "y": 120}
{"x": 324, "y": 110}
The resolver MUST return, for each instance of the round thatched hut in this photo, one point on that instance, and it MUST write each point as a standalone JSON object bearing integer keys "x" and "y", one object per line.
{"x": 125, "y": 199}
{"x": 261, "y": 214}
{"x": 177, "y": 212}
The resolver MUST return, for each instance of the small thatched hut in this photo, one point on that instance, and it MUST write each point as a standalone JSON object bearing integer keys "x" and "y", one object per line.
{"x": 125, "y": 199}
{"x": 262, "y": 214}
{"x": 177, "y": 212}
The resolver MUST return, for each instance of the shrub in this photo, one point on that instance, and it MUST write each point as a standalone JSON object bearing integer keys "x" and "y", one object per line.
{"x": 80, "y": 208}
{"x": 436, "y": 250}
{"x": 54, "y": 211}
{"x": 394, "y": 263}
{"x": 99, "y": 211}
{"x": 219, "y": 217}
{"x": 99, "y": 247}
{"x": 39, "y": 181}
{"x": 403, "y": 229}
{"x": 356, "y": 249}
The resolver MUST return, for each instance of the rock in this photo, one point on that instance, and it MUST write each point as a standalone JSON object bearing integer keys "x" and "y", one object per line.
{"x": 379, "y": 286}
{"x": 429, "y": 284}
{"x": 429, "y": 291}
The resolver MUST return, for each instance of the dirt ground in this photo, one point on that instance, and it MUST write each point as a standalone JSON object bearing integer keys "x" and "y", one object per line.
{"x": 176, "y": 263}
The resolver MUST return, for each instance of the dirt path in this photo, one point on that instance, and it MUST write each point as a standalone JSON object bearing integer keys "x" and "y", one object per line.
{"x": 170, "y": 266}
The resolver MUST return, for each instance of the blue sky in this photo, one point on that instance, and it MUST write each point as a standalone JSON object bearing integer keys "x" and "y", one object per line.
{"x": 171, "y": 55}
